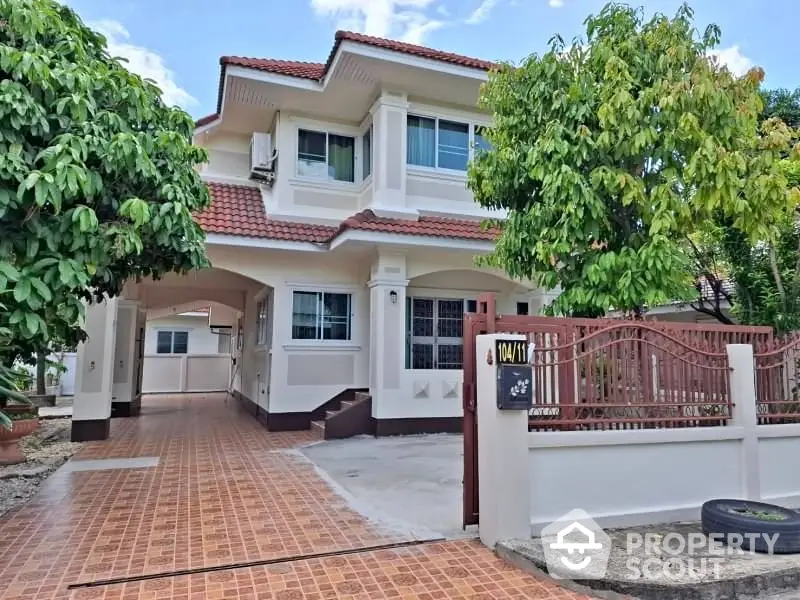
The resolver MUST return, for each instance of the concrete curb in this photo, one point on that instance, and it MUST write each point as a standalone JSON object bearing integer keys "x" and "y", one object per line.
{"x": 747, "y": 587}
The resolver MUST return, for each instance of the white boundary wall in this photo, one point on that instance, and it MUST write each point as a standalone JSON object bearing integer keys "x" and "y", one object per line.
{"x": 177, "y": 373}
{"x": 628, "y": 478}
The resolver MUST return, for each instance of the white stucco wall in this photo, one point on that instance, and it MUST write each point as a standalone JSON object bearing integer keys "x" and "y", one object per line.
{"x": 299, "y": 375}
{"x": 287, "y": 375}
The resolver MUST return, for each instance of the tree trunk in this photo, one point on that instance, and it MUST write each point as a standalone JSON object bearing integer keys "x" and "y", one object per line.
{"x": 41, "y": 370}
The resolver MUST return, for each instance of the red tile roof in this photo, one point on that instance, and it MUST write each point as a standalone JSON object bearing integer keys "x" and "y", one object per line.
{"x": 292, "y": 68}
{"x": 316, "y": 71}
{"x": 412, "y": 49}
{"x": 311, "y": 70}
{"x": 426, "y": 226}
{"x": 239, "y": 210}
{"x": 206, "y": 120}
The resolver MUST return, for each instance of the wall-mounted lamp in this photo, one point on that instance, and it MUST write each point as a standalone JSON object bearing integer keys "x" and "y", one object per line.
{"x": 393, "y": 297}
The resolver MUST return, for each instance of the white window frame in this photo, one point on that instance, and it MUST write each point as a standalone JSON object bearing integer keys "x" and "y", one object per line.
{"x": 469, "y": 303}
{"x": 471, "y": 125}
{"x": 368, "y": 131}
{"x": 262, "y": 321}
{"x": 172, "y": 331}
{"x": 327, "y": 132}
{"x": 319, "y": 341}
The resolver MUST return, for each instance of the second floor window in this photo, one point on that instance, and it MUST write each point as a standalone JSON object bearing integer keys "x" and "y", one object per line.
{"x": 481, "y": 143}
{"x": 367, "y": 152}
{"x": 442, "y": 144}
{"x": 325, "y": 156}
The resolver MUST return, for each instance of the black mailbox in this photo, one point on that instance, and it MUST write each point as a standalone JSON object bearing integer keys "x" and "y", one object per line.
{"x": 514, "y": 376}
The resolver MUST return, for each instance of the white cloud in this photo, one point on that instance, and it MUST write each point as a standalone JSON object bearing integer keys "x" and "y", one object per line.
{"x": 732, "y": 57}
{"x": 143, "y": 62}
{"x": 480, "y": 14}
{"x": 407, "y": 20}
{"x": 556, "y": 3}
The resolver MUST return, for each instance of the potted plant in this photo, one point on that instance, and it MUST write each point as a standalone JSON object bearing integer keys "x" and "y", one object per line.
{"x": 18, "y": 417}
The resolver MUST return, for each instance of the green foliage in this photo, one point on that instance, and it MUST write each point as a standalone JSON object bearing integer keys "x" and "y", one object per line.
{"x": 782, "y": 104}
{"x": 610, "y": 153}
{"x": 97, "y": 177}
{"x": 766, "y": 273}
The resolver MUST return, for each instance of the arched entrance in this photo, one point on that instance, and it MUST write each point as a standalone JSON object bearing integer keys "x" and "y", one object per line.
{"x": 126, "y": 355}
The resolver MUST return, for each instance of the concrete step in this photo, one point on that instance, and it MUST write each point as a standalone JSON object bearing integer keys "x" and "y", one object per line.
{"x": 348, "y": 403}
{"x": 361, "y": 396}
{"x": 330, "y": 413}
{"x": 318, "y": 428}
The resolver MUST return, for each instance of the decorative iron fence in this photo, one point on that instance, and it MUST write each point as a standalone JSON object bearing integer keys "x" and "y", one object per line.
{"x": 777, "y": 366}
{"x": 607, "y": 374}
{"x": 626, "y": 375}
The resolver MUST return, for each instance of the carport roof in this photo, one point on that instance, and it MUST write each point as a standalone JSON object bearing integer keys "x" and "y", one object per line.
{"x": 238, "y": 210}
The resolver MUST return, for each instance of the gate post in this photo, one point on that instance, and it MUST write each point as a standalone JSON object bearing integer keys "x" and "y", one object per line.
{"x": 745, "y": 415}
{"x": 503, "y": 462}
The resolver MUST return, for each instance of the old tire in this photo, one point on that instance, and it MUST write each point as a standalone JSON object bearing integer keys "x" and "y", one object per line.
{"x": 736, "y": 517}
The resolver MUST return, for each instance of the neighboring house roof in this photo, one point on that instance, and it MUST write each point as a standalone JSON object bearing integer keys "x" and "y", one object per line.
{"x": 317, "y": 71}
{"x": 239, "y": 210}
{"x": 707, "y": 292}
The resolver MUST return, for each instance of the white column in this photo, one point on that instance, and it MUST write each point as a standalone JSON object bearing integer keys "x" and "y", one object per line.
{"x": 91, "y": 411}
{"x": 124, "y": 379}
{"x": 389, "y": 114}
{"x": 387, "y": 331}
{"x": 503, "y": 460}
{"x": 745, "y": 415}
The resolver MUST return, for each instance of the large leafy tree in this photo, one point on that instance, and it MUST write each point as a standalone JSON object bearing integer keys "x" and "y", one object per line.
{"x": 97, "y": 175}
{"x": 761, "y": 280}
{"x": 610, "y": 153}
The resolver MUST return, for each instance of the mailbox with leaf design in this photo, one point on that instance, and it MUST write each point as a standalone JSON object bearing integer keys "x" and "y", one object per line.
{"x": 514, "y": 375}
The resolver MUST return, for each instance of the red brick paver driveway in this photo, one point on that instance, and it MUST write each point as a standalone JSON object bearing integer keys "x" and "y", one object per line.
{"x": 224, "y": 494}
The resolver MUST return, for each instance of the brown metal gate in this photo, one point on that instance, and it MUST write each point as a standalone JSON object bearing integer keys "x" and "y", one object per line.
{"x": 683, "y": 349}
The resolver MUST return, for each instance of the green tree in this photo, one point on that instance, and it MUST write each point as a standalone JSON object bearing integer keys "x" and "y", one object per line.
{"x": 97, "y": 176}
{"x": 765, "y": 274}
{"x": 783, "y": 104}
{"x": 610, "y": 153}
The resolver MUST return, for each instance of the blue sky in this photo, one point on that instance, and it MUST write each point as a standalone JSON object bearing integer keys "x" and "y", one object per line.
{"x": 178, "y": 42}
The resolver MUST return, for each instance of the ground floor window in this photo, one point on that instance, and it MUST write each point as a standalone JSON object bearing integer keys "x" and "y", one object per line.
{"x": 321, "y": 316}
{"x": 434, "y": 332}
{"x": 172, "y": 342}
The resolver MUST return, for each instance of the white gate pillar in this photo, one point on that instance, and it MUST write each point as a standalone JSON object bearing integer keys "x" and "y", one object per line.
{"x": 503, "y": 460}
{"x": 91, "y": 410}
{"x": 745, "y": 415}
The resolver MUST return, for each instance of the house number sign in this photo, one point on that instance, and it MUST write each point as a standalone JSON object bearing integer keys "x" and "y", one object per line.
{"x": 514, "y": 375}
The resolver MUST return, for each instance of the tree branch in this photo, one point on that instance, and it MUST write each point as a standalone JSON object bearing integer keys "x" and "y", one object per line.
{"x": 773, "y": 263}
{"x": 713, "y": 312}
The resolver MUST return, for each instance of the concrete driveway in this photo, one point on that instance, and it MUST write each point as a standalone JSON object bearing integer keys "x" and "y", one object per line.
{"x": 409, "y": 483}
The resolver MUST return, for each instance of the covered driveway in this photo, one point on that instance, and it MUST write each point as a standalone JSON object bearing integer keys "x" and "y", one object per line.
{"x": 194, "y": 500}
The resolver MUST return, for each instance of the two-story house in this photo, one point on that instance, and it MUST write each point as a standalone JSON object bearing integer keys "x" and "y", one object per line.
{"x": 342, "y": 235}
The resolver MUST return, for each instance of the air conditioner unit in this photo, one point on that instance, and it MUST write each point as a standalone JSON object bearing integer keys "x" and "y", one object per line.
{"x": 262, "y": 156}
